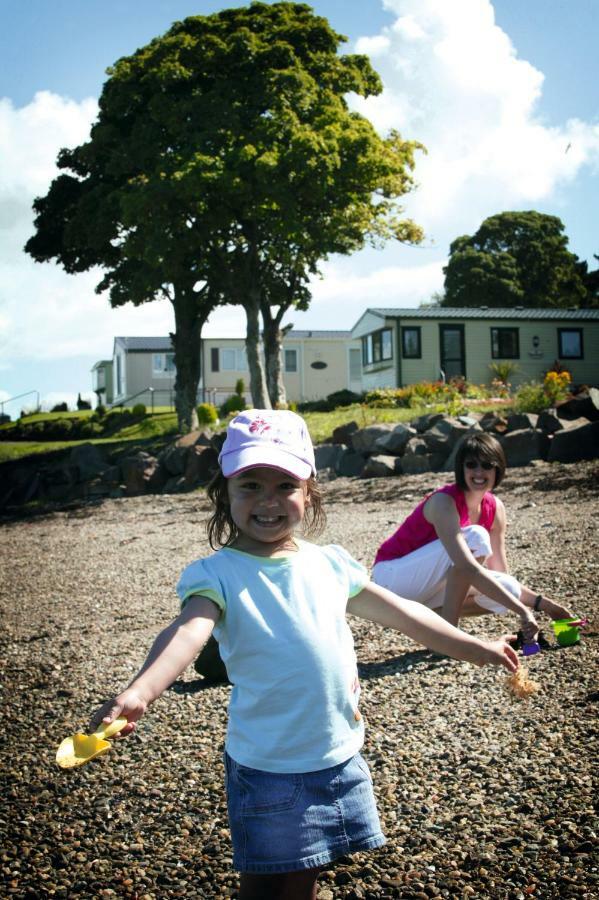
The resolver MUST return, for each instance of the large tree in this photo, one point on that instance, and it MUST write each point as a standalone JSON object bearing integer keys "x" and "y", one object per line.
{"x": 515, "y": 259}
{"x": 225, "y": 154}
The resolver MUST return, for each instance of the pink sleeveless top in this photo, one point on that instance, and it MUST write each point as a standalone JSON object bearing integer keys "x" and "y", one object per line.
{"x": 416, "y": 531}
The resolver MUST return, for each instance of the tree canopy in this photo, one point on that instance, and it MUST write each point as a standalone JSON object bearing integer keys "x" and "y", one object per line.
{"x": 225, "y": 154}
{"x": 515, "y": 259}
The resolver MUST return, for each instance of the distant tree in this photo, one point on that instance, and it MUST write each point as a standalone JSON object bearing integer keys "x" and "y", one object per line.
{"x": 435, "y": 300}
{"x": 222, "y": 148}
{"x": 515, "y": 259}
{"x": 591, "y": 280}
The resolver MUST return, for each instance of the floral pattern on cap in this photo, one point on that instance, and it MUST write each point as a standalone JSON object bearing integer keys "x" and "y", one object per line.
{"x": 273, "y": 438}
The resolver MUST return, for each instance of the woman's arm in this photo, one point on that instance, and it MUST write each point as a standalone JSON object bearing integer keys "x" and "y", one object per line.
{"x": 498, "y": 563}
{"x": 172, "y": 651}
{"x": 441, "y": 512}
{"x": 423, "y": 625}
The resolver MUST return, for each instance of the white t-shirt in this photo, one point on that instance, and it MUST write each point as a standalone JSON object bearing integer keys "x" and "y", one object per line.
{"x": 289, "y": 653}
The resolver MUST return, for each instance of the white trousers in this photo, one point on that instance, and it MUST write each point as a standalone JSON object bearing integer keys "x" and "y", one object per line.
{"x": 422, "y": 574}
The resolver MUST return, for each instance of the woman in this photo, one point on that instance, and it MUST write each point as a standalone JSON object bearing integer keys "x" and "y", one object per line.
{"x": 449, "y": 554}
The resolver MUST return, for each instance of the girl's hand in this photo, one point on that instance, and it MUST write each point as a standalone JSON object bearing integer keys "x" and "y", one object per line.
{"x": 129, "y": 704}
{"x": 499, "y": 653}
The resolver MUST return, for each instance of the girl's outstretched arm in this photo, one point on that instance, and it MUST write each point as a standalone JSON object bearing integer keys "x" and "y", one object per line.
{"x": 172, "y": 651}
{"x": 423, "y": 625}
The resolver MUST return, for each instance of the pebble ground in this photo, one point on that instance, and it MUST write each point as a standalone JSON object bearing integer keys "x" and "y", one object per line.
{"x": 480, "y": 795}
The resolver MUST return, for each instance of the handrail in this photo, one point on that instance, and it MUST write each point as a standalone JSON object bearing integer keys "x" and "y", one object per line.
{"x": 18, "y": 397}
{"x": 151, "y": 390}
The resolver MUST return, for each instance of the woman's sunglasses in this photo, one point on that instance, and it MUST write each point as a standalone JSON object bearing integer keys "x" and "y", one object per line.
{"x": 475, "y": 463}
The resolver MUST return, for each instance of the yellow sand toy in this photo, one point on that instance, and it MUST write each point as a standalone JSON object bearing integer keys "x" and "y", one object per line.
{"x": 80, "y": 748}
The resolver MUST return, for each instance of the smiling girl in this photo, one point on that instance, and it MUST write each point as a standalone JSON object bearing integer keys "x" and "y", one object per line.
{"x": 299, "y": 792}
{"x": 449, "y": 554}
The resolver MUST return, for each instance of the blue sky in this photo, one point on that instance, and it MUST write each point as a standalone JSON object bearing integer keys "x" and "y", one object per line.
{"x": 502, "y": 93}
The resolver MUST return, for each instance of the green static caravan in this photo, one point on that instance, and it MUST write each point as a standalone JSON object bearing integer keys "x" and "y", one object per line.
{"x": 405, "y": 346}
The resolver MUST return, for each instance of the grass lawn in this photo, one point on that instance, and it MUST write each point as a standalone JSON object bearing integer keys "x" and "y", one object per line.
{"x": 163, "y": 423}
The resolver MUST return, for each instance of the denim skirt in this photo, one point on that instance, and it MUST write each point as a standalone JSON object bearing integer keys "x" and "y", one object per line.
{"x": 284, "y": 822}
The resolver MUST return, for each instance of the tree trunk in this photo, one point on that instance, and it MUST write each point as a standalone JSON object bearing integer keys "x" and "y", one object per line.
{"x": 259, "y": 391}
{"x": 273, "y": 341}
{"x": 187, "y": 345}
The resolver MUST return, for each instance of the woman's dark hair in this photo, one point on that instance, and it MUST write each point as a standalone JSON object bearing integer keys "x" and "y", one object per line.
{"x": 222, "y": 530}
{"x": 483, "y": 447}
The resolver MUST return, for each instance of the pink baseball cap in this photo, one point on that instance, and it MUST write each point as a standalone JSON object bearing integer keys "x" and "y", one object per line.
{"x": 277, "y": 439}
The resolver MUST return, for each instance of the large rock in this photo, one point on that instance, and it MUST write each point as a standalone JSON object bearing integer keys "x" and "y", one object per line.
{"x": 493, "y": 422}
{"x": 200, "y": 466}
{"x": 174, "y": 459}
{"x": 417, "y": 458}
{"x": 381, "y": 467}
{"x": 423, "y": 423}
{"x": 521, "y": 447}
{"x": 521, "y": 421}
{"x": 364, "y": 440}
{"x": 395, "y": 441}
{"x": 585, "y": 404}
{"x": 194, "y": 439}
{"x": 574, "y": 444}
{"x": 349, "y": 463}
{"x": 549, "y": 422}
{"x": 141, "y": 473}
{"x": 89, "y": 461}
{"x": 326, "y": 455}
{"x": 342, "y": 434}
{"x": 445, "y": 434}
{"x": 209, "y": 663}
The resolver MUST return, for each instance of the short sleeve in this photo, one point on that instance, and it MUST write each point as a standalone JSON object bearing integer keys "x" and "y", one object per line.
{"x": 354, "y": 573}
{"x": 198, "y": 579}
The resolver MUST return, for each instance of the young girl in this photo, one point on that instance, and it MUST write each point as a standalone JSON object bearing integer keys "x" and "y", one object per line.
{"x": 449, "y": 554}
{"x": 299, "y": 793}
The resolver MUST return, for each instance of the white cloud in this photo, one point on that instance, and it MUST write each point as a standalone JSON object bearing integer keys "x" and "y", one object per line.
{"x": 45, "y": 313}
{"x": 454, "y": 81}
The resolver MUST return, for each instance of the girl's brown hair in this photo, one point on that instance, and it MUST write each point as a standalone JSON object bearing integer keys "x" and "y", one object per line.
{"x": 222, "y": 530}
{"x": 485, "y": 448}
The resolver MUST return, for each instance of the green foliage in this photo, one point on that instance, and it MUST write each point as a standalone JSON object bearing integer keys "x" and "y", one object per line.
{"x": 60, "y": 407}
{"x": 427, "y": 394}
{"x": 234, "y": 403}
{"x": 531, "y": 397}
{"x": 240, "y": 387}
{"x": 83, "y": 404}
{"x": 337, "y": 399}
{"x": 207, "y": 414}
{"x": 139, "y": 411}
{"x": 225, "y": 152}
{"x": 503, "y": 371}
{"x": 515, "y": 259}
{"x": 535, "y": 397}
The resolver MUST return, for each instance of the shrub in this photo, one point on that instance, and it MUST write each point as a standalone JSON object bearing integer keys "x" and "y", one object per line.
{"x": 234, "y": 403}
{"x": 139, "y": 410}
{"x": 331, "y": 402}
{"x": 531, "y": 397}
{"x": 207, "y": 414}
{"x": 240, "y": 387}
{"x": 83, "y": 404}
{"x": 60, "y": 407}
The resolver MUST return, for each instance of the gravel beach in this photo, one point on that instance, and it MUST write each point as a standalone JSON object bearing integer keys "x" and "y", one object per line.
{"x": 481, "y": 795}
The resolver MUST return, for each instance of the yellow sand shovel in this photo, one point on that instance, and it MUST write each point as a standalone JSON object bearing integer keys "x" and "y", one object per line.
{"x": 80, "y": 748}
